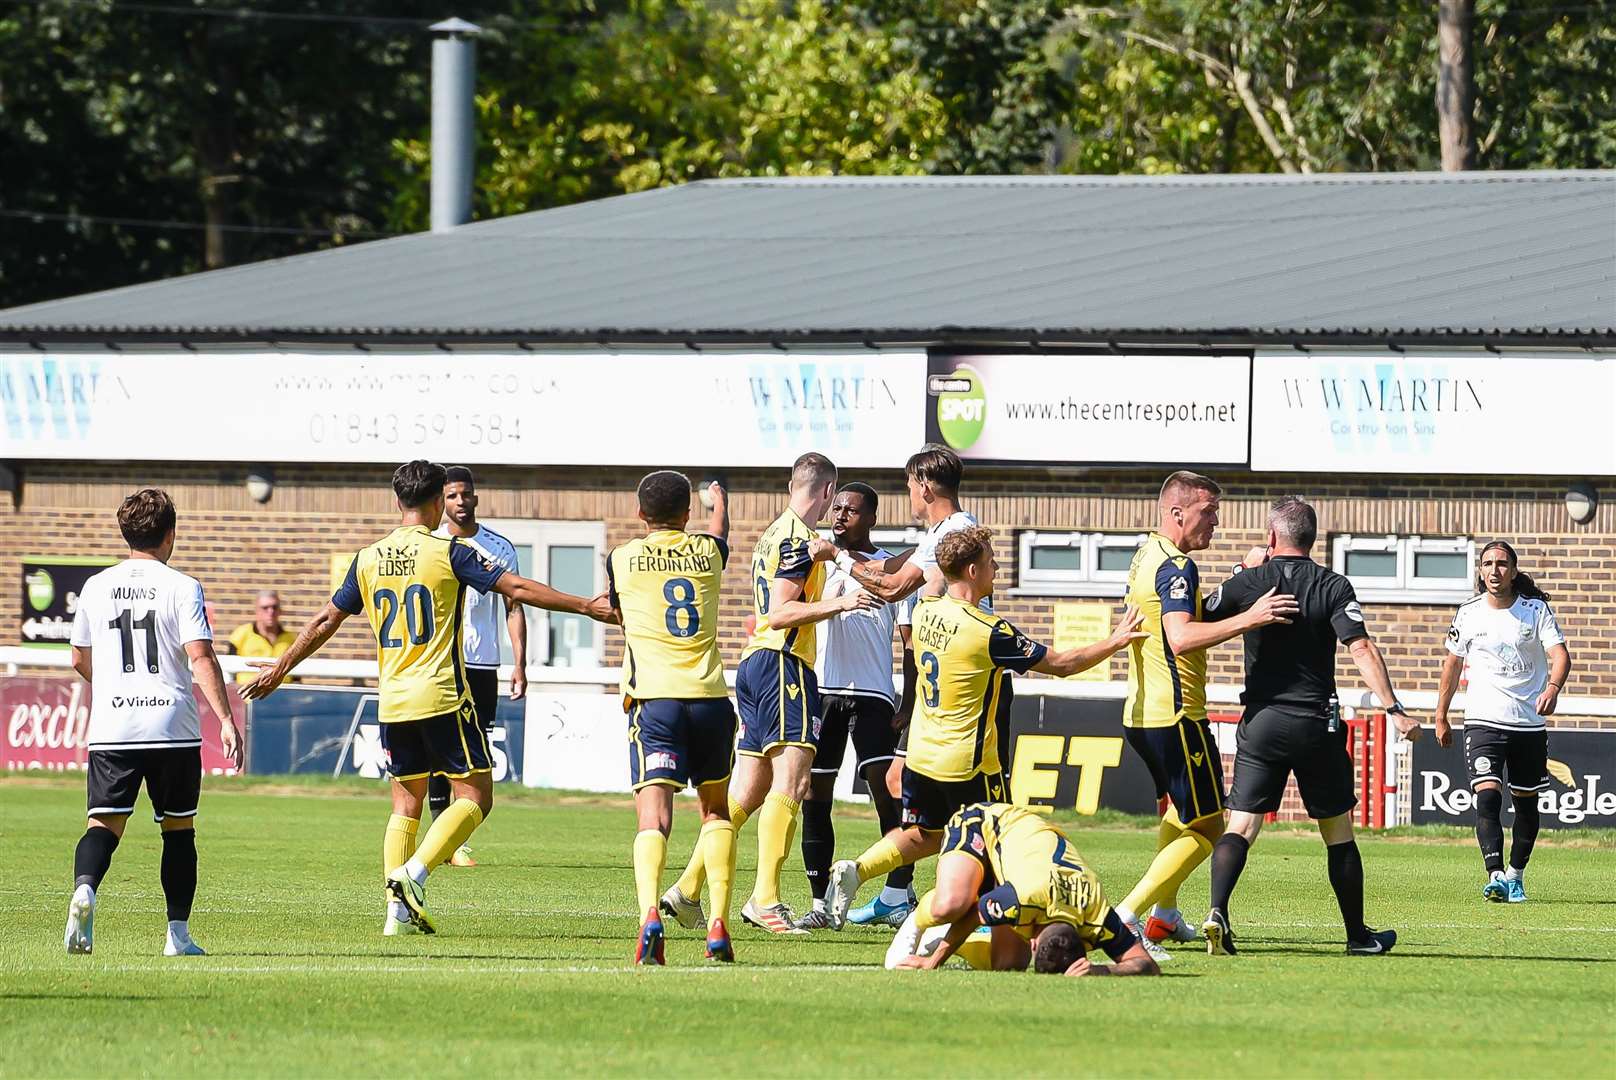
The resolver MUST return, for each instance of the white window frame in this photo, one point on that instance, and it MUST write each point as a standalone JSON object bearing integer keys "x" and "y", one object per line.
{"x": 1088, "y": 581}
{"x": 1406, "y": 587}
{"x": 542, "y": 535}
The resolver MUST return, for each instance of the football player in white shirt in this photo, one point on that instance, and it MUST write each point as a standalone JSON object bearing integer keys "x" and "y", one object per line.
{"x": 479, "y": 626}
{"x": 139, "y": 636}
{"x": 856, "y": 701}
{"x": 934, "y": 475}
{"x": 1518, "y": 665}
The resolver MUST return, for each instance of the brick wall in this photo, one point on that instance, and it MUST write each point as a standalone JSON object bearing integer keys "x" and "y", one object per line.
{"x": 236, "y": 546}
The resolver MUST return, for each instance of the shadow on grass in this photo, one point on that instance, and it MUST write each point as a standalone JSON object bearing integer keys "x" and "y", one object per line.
{"x": 67, "y": 995}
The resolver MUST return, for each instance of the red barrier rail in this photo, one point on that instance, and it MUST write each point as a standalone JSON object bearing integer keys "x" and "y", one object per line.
{"x": 1366, "y": 743}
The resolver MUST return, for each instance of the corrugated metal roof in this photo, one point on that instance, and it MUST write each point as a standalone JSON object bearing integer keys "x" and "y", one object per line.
{"x": 1474, "y": 255}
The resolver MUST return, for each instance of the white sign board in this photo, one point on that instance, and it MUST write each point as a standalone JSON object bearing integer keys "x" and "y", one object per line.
{"x": 1470, "y": 413}
{"x": 1101, "y": 409}
{"x": 861, "y": 408}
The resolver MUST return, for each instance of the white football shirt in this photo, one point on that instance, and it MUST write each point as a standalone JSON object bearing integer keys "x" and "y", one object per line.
{"x": 1507, "y": 652}
{"x": 136, "y": 618}
{"x": 483, "y": 612}
{"x": 925, "y": 557}
{"x": 855, "y": 647}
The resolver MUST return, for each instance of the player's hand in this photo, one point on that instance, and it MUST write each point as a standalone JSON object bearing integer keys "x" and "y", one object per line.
{"x": 1407, "y": 726}
{"x": 1273, "y": 607}
{"x": 1547, "y": 699}
{"x": 1081, "y": 967}
{"x": 1128, "y": 628}
{"x": 230, "y": 741}
{"x": 266, "y": 682}
{"x": 918, "y": 963}
{"x": 1444, "y": 732}
{"x": 858, "y": 601}
{"x": 1255, "y": 558}
{"x": 600, "y": 609}
{"x": 821, "y": 550}
{"x": 518, "y": 684}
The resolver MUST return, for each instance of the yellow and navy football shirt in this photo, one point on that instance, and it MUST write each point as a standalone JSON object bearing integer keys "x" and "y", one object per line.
{"x": 1163, "y": 687}
{"x": 410, "y": 585}
{"x": 782, "y": 552}
{"x": 666, "y": 584}
{"x": 1032, "y": 874}
{"x": 963, "y": 660}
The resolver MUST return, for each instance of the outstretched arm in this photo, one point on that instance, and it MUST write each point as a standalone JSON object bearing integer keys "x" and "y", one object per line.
{"x": 795, "y": 611}
{"x": 1186, "y": 635}
{"x": 890, "y": 579}
{"x": 523, "y": 590}
{"x": 315, "y": 634}
{"x": 1071, "y": 661}
{"x": 1372, "y": 666}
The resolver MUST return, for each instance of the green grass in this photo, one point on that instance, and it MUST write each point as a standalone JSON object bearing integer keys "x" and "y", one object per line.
{"x": 529, "y": 975}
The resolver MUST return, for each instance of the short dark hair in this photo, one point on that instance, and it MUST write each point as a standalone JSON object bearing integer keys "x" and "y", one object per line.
{"x": 664, "y": 495}
{"x": 418, "y": 482}
{"x": 864, "y": 491}
{"x": 937, "y": 465}
{"x": 459, "y": 474}
{"x": 146, "y": 518}
{"x": 1183, "y": 482}
{"x": 961, "y": 548}
{"x": 1294, "y": 521}
{"x": 812, "y": 470}
{"x": 1058, "y": 949}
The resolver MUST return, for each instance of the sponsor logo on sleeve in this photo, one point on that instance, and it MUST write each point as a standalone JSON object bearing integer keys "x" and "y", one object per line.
{"x": 1178, "y": 589}
{"x": 1353, "y": 611}
{"x": 1215, "y": 599}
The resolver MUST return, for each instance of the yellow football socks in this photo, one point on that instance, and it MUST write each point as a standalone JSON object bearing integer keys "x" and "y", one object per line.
{"x": 924, "y": 919}
{"x": 650, "y": 853}
{"x": 398, "y": 844}
{"x": 449, "y": 830}
{"x": 717, "y": 848}
{"x": 695, "y": 874}
{"x": 1176, "y": 860}
{"x": 880, "y": 859}
{"x": 777, "y": 824}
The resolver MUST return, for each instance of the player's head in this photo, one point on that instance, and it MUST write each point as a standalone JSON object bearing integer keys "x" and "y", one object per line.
{"x": 146, "y": 520}
{"x": 1498, "y": 573}
{"x": 934, "y": 473}
{"x": 1293, "y": 525}
{"x": 460, "y": 496}
{"x": 813, "y": 485}
{"x": 665, "y": 500}
{"x": 1057, "y": 949}
{"x": 419, "y": 487}
{"x": 852, "y": 515}
{"x": 966, "y": 555}
{"x": 1189, "y": 509}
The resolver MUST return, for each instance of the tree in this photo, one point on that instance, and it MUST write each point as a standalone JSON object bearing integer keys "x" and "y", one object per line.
{"x": 1455, "y": 84}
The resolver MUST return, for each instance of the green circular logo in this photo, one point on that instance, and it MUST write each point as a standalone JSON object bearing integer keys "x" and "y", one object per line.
{"x": 962, "y": 406}
{"x": 41, "y": 589}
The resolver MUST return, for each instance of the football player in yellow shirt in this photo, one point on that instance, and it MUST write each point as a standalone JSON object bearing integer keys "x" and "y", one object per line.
{"x": 778, "y": 695}
{"x": 964, "y": 657}
{"x": 1164, "y": 717}
{"x": 410, "y": 585}
{"x": 1007, "y": 868}
{"x": 665, "y": 587}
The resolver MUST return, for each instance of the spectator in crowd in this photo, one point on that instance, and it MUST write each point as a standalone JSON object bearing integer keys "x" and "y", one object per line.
{"x": 265, "y": 638}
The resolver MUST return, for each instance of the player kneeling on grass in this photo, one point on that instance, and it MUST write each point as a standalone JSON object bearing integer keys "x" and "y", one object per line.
{"x": 1005, "y": 868}
{"x": 664, "y": 588}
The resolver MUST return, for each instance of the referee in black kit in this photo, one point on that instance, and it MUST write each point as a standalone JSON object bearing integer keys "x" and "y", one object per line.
{"x": 1291, "y": 721}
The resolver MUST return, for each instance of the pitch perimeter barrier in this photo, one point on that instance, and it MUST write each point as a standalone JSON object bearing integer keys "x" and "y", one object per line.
{"x": 1064, "y": 744}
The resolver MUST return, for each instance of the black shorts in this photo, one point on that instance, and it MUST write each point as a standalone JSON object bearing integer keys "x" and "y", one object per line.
{"x": 1273, "y": 743}
{"x": 1184, "y": 763}
{"x": 172, "y": 774}
{"x": 1496, "y": 753}
{"x": 453, "y": 744}
{"x": 483, "y": 682}
{"x": 867, "y": 719}
{"x": 929, "y": 803}
{"x": 674, "y": 741}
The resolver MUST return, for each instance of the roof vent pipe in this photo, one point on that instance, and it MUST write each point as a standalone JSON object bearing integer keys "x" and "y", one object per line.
{"x": 454, "y": 78}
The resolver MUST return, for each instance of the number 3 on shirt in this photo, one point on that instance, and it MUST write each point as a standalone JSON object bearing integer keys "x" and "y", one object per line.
{"x": 928, "y": 671}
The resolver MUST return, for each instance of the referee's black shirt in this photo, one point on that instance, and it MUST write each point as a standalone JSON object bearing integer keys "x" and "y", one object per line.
{"x": 1292, "y": 666}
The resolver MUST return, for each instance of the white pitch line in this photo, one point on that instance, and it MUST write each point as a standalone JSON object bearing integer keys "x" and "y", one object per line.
{"x": 1445, "y": 926}
{"x": 494, "y": 967}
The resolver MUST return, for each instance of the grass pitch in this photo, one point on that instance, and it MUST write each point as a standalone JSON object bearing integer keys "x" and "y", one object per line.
{"x": 529, "y": 974}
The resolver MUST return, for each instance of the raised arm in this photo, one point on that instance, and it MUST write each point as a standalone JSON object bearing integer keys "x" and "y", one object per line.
{"x": 891, "y": 579}
{"x": 1071, "y": 661}
{"x": 318, "y": 631}
{"x": 718, "y": 523}
{"x": 210, "y": 678}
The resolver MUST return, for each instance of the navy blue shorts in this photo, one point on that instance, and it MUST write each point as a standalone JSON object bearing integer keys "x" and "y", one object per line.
{"x": 779, "y": 699}
{"x": 1185, "y": 764}
{"x": 675, "y": 742}
{"x": 453, "y": 744}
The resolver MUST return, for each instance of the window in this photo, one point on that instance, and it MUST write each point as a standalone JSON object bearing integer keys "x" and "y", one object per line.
{"x": 569, "y": 556}
{"x": 1412, "y": 569}
{"x": 1076, "y": 563}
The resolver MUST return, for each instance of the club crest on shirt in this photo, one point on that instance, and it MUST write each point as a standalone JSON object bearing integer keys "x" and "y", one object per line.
{"x": 978, "y": 845}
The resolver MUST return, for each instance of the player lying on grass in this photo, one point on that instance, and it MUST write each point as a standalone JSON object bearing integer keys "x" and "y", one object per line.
{"x": 1006, "y": 868}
